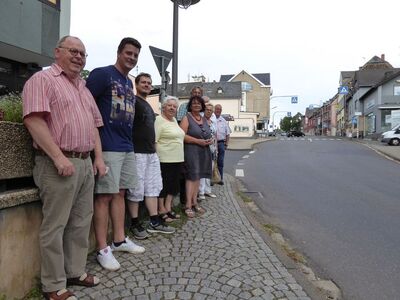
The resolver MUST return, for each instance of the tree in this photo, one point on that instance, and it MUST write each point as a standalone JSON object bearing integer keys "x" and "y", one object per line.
{"x": 296, "y": 122}
{"x": 291, "y": 123}
{"x": 286, "y": 123}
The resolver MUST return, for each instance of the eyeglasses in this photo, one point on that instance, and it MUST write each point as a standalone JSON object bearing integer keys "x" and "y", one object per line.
{"x": 75, "y": 52}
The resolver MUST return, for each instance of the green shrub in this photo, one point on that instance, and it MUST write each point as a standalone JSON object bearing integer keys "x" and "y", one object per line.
{"x": 11, "y": 108}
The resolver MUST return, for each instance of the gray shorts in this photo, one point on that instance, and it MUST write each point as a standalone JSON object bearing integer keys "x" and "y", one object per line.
{"x": 149, "y": 177}
{"x": 121, "y": 175}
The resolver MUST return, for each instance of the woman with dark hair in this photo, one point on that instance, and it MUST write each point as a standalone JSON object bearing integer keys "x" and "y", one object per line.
{"x": 197, "y": 153}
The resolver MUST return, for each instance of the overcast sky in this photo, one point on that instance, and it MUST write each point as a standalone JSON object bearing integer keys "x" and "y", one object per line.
{"x": 303, "y": 44}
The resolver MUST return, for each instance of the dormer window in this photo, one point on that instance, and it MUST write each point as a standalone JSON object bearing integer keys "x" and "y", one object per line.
{"x": 220, "y": 90}
{"x": 246, "y": 86}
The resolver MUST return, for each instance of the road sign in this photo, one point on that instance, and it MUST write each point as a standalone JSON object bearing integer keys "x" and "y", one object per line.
{"x": 343, "y": 90}
{"x": 289, "y": 114}
{"x": 161, "y": 57}
{"x": 294, "y": 100}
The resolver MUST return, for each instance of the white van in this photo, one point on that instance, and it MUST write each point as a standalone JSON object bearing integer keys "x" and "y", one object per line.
{"x": 392, "y": 137}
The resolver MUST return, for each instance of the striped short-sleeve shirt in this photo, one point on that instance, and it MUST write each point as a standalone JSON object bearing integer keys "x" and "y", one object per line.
{"x": 72, "y": 113}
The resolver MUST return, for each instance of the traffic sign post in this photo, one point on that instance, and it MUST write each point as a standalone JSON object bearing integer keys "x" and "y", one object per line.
{"x": 162, "y": 59}
{"x": 294, "y": 100}
{"x": 343, "y": 90}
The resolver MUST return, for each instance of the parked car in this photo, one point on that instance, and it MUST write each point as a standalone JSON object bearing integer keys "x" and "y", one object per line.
{"x": 392, "y": 137}
{"x": 283, "y": 133}
{"x": 295, "y": 133}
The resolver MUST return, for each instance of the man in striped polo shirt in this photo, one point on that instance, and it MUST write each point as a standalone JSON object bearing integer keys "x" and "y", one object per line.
{"x": 62, "y": 117}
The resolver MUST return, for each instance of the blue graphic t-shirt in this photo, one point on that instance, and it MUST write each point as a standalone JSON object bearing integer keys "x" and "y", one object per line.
{"x": 114, "y": 96}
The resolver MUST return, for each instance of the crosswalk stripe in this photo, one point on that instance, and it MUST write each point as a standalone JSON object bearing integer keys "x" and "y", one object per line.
{"x": 239, "y": 173}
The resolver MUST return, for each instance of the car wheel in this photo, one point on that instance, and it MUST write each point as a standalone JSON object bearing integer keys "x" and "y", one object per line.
{"x": 394, "y": 142}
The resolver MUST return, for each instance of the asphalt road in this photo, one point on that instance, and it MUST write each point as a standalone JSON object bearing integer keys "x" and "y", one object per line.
{"x": 338, "y": 202}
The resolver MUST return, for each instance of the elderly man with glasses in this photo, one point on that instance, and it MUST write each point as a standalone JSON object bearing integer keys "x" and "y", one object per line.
{"x": 62, "y": 117}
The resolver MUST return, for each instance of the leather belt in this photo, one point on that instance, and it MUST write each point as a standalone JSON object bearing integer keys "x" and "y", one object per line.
{"x": 70, "y": 154}
{"x": 221, "y": 141}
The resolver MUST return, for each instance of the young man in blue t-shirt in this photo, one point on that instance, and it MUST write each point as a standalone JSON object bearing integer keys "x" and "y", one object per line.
{"x": 113, "y": 91}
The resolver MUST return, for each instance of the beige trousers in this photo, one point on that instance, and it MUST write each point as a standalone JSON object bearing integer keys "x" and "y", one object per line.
{"x": 67, "y": 214}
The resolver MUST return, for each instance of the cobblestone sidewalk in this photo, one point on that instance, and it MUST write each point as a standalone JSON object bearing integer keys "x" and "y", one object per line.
{"x": 215, "y": 256}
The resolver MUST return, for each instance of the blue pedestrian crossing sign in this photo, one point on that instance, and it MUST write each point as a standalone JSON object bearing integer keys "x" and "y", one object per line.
{"x": 343, "y": 90}
{"x": 294, "y": 100}
{"x": 289, "y": 114}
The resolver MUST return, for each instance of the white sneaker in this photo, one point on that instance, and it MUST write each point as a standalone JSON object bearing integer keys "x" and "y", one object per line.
{"x": 211, "y": 195}
{"x": 201, "y": 197}
{"x": 128, "y": 246}
{"x": 107, "y": 260}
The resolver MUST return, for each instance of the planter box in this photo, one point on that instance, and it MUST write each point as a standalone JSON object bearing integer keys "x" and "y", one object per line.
{"x": 16, "y": 151}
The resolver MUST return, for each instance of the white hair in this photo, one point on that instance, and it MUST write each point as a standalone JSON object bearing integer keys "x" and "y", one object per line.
{"x": 169, "y": 98}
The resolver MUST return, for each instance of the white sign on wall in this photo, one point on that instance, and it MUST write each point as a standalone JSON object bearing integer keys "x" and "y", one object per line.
{"x": 395, "y": 117}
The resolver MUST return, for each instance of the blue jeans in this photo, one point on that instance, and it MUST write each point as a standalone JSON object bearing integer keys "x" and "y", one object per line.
{"x": 221, "y": 156}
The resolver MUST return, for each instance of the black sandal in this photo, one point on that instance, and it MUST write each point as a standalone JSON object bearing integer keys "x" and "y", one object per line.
{"x": 166, "y": 218}
{"x": 173, "y": 215}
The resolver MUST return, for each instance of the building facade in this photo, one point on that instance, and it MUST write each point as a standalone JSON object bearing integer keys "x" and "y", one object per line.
{"x": 29, "y": 31}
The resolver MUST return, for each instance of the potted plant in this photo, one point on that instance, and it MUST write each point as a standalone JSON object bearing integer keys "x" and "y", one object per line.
{"x": 16, "y": 152}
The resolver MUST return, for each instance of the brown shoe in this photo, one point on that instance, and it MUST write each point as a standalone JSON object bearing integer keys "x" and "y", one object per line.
{"x": 63, "y": 294}
{"x": 87, "y": 280}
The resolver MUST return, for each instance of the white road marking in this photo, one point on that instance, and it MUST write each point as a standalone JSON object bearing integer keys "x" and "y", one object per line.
{"x": 239, "y": 173}
{"x": 251, "y": 152}
{"x": 240, "y": 164}
{"x": 246, "y": 156}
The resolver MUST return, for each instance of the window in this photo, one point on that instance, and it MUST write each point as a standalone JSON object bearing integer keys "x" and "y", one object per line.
{"x": 370, "y": 123}
{"x": 246, "y": 86}
{"x": 396, "y": 90}
{"x": 386, "y": 120}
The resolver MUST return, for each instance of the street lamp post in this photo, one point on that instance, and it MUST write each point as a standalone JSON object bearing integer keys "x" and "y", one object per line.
{"x": 182, "y": 4}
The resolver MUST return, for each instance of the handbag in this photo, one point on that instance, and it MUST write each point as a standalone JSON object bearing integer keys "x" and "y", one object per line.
{"x": 216, "y": 177}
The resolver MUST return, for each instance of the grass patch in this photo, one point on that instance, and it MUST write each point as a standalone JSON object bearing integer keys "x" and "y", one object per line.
{"x": 35, "y": 292}
{"x": 294, "y": 255}
{"x": 179, "y": 210}
{"x": 245, "y": 198}
{"x": 271, "y": 228}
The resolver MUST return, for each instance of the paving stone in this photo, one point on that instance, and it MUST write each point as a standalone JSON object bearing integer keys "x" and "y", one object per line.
{"x": 234, "y": 283}
{"x": 169, "y": 295}
{"x": 114, "y": 295}
{"x": 192, "y": 288}
{"x": 156, "y": 296}
{"x": 170, "y": 280}
{"x": 138, "y": 291}
{"x": 149, "y": 289}
{"x": 198, "y": 296}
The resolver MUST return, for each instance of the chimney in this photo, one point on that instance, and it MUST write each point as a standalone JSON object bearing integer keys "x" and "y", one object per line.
{"x": 383, "y": 57}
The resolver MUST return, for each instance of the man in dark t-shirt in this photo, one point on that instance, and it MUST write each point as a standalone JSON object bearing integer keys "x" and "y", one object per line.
{"x": 149, "y": 183}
